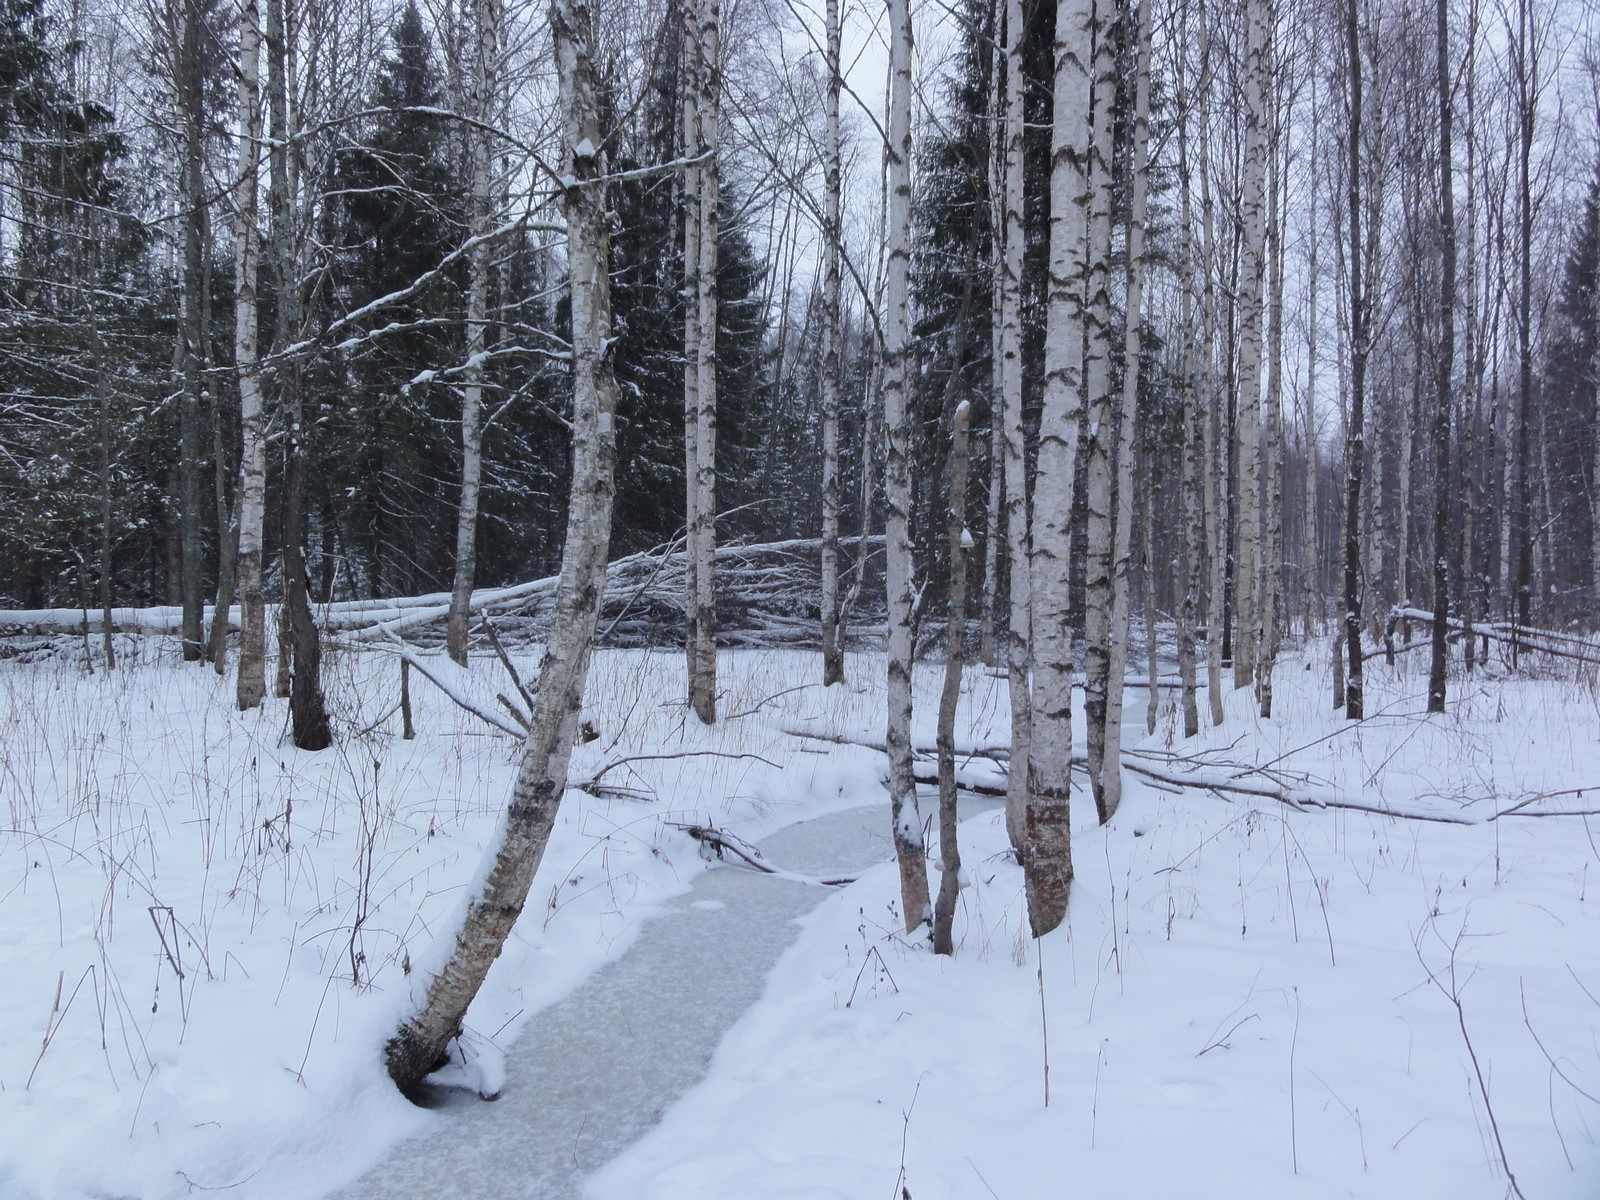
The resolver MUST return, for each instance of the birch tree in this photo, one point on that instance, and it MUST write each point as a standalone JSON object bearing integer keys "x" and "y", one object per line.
{"x": 1018, "y": 535}
{"x": 420, "y": 1042}
{"x": 1215, "y": 479}
{"x": 250, "y": 681}
{"x": 1192, "y": 545}
{"x": 1359, "y": 318}
{"x": 484, "y": 101}
{"x": 832, "y": 236}
{"x": 1272, "y": 583}
{"x": 700, "y": 402}
{"x": 1443, "y": 399}
{"x": 1254, "y": 215}
{"x": 1047, "y": 856}
{"x": 1132, "y": 350}
{"x": 905, "y": 816}
{"x": 1099, "y": 455}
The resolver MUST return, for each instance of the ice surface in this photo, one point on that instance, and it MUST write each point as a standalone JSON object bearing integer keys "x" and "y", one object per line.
{"x": 596, "y": 1071}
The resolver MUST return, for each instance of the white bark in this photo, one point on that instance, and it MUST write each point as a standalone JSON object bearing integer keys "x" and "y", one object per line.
{"x": 542, "y": 773}
{"x": 832, "y": 637}
{"x": 250, "y": 683}
{"x": 1214, "y": 493}
{"x": 1272, "y": 460}
{"x": 689, "y": 86}
{"x": 993, "y": 524}
{"x": 1047, "y": 857}
{"x": 1101, "y": 432}
{"x": 1111, "y": 771}
{"x": 703, "y": 622}
{"x": 1019, "y": 645}
{"x": 485, "y": 103}
{"x": 1309, "y": 558}
{"x": 1253, "y": 212}
{"x": 1192, "y": 546}
{"x": 906, "y": 817}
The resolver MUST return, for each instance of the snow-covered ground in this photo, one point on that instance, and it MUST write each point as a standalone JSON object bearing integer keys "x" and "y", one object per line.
{"x": 207, "y": 936}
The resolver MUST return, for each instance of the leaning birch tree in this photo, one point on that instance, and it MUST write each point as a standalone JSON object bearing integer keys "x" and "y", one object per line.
{"x": 905, "y": 816}
{"x": 420, "y": 1042}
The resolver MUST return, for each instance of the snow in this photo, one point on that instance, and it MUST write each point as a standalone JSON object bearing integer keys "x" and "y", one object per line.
{"x": 1249, "y": 999}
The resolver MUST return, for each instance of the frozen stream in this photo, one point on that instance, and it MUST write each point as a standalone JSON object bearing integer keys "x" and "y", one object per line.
{"x": 592, "y": 1073}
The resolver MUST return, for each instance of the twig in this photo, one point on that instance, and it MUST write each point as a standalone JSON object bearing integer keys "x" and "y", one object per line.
{"x": 901, "y": 1191}
{"x": 460, "y": 701}
{"x": 722, "y": 843}
{"x": 505, "y": 661}
{"x": 1294, "y": 1041}
{"x": 1554, "y": 1066}
{"x": 1222, "y": 1042}
{"x": 517, "y": 715}
{"x": 593, "y": 781}
{"x": 1453, "y": 995}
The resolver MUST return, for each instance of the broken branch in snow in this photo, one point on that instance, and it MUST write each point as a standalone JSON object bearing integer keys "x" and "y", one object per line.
{"x": 461, "y": 701}
{"x": 722, "y": 843}
{"x": 593, "y": 786}
{"x": 505, "y": 661}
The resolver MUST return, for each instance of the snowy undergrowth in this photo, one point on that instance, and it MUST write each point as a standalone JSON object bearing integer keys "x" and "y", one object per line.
{"x": 208, "y": 935}
{"x": 1247, "y": 1001}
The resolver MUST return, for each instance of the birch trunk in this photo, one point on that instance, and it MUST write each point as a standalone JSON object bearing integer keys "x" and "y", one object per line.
{"x": 1272, "y": 585}
{"x": 1216, "y": 537}
{"x": 905, "y": 816}
{"x": 689, "y": 84}
{"x": 1132, "y": 348}
{"x": 993, "y": 544}
{"x": 541, "y": 777}
{"x": 702, "y": 648}
{"x": 1253, "y": 213}
{"x": 1047, "y": 856}
{"x": 1191, "y": 544}
{"x": 1309, "y": 556}
{"x": 832, "y": 639}
{"x": 1019, "y": 647}
{"x": 250, "y": 681}
{"x": 1355, "y": 441}
{"x": 1099, "y": 461}
{"x": 1447, "y": 348}
{"x": 1525, "y": 77}
{"x": 484, "y": 104}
